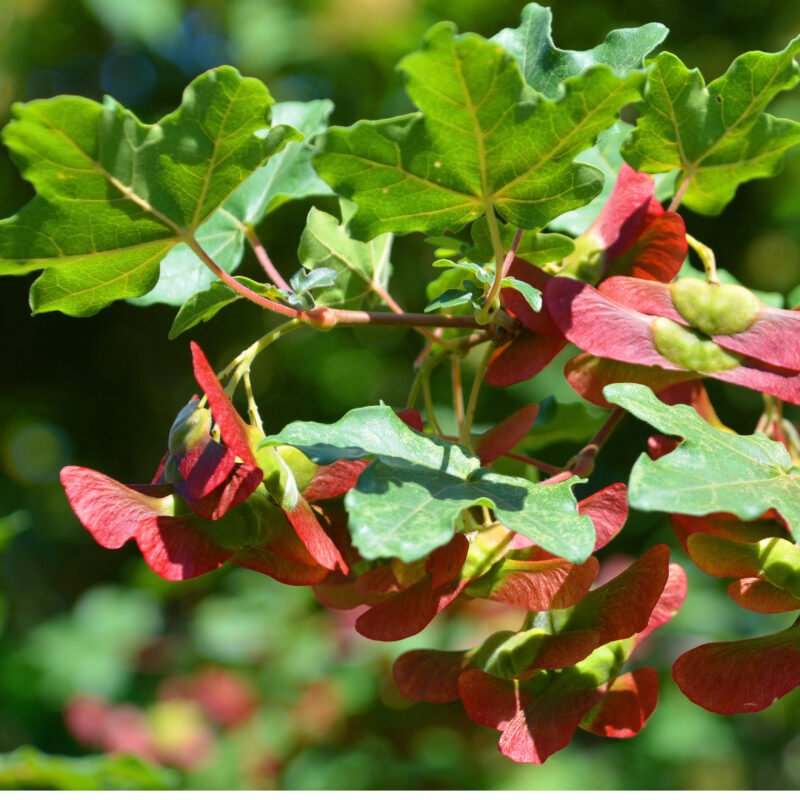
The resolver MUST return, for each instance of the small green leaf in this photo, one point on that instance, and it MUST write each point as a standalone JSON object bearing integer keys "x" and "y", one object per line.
{"x": 360, "y": 267}
{"x": 717, "y": 135}
{"x": 115, "y": 195}
{"x": 316, "y": 278}
{"x": 711, "y": 470}
{"x": 532, "y": 296}
{"x": 483, "y": 139}
{"x": 449, "y": 298}
{"x": 545, "y": 67}
{"x": 205, "y": 304}
{"x": 407, "y": 501}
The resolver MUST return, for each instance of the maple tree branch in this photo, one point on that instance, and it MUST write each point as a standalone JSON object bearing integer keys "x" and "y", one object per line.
{"x": 543, "y": 466}
{"x": 325, "y": 318}
{"x": 582, "y": 463}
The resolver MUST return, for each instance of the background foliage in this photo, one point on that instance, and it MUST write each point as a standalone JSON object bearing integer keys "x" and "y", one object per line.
{"x": 103, "y": 391}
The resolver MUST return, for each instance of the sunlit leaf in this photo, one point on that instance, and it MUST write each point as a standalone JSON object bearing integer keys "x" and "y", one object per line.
{"x": 482, "y": 139}
{"x": 717, "y": 135}
{"x": 115, "y": 195}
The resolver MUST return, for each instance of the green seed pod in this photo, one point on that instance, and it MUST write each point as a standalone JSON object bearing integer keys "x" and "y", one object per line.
{"x": 691, "y": 350}
{"x": 715, "y": 309}
{"x": 190, "y": 426}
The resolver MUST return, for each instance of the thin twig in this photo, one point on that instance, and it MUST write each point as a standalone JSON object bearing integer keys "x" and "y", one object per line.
{"x": 264, "y": 259}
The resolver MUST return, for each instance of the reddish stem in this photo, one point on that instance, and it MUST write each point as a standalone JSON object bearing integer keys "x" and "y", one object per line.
{"x": 264, "y": 259}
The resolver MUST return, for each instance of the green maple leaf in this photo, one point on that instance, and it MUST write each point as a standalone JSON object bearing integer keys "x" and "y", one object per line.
{"x": 361, "y": 267}
{"x": 286, "y": 176}
{"x": 115, "y": 195}
{"x": 545, "y": 66}
{"x": 483, "y": 141}
{"x": 717, "y": 135}
{"x": 408, "y": 499}
{"x": 712, "y": 470}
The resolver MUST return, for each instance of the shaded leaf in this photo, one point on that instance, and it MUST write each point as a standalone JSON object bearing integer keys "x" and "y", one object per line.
{"x": 407, "y": 500}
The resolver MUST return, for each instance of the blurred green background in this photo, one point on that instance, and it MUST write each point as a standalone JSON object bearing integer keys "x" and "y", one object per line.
{"x": 102, "y": 392}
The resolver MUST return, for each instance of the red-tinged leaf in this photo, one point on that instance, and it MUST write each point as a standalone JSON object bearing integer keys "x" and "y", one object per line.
{"x": 519, "y": 307}
{"x": 338, "y": 592}
{"x": 407, "y": 612}
{"x": 205, "y": 466}
{"x": 758, "y": 341}
{"x": 412, "y": 418}
{"x": 645, "y": 296}
{"x": 561, "y": 650}
{"x": 627, "y": 705}
{"x": 533, "y": 727}
{"x": 623, "y": 606}
{"x": 313, "y": 536}
{"x": 764, "y": 377}
{"x": 602, "y": 327}
{"x": 112, "y": 512}
{"x": 629, "y": 210}
{"x": 243, "y": 481}
{"x": 488, "y": 700}
{"x": 176, "y": 550}
{"x": 504, "y": 436}
{"x": 658, "y": 254}
{"x": 378, "y": 581}
{"x": 537, "y": 585}
{"x": 741, "y": 677}
{"x": 660, "y": 445}
{"x": 284, "y": 570}
{"x": 759, "y": 595}
{"x": 726, "y": 526}
{"x": 608, "y": 510}
{"x": 588, "y": 375}
{"x": 523, "y": 357}
{"x": 668, "y": 604}
{"x": 429, "y": 676}
{"x": 332, "y": 480}
{"x": 444, "y": 563}
{"x": 724, "y": 558}
{"x": 232, "y": 428}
